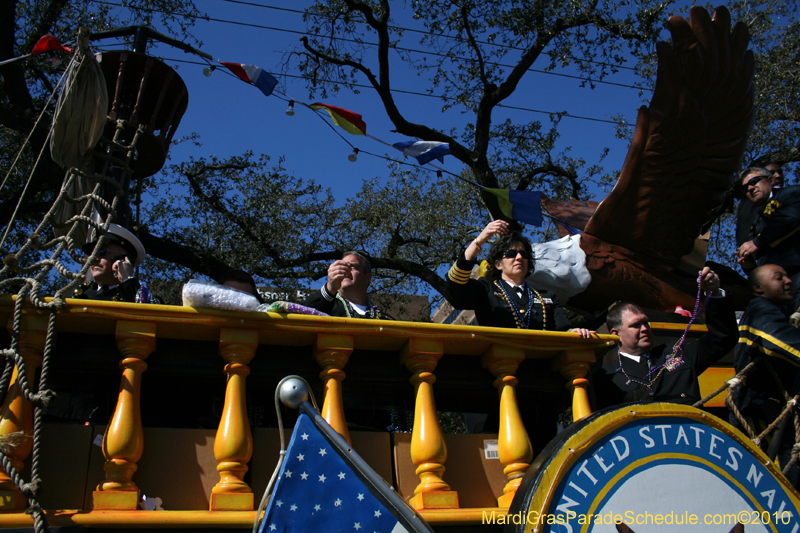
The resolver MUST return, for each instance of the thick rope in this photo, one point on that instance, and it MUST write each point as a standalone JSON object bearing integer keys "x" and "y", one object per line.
{"x": 732, "y": 383}
{"x": 30, "y": 291}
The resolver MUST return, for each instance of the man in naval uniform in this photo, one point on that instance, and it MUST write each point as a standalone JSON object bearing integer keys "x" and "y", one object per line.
{"x": 112, "y": 276}
{"x": 640, "y": 372}
{"x": 765, "y": 331}
{"x": 345, "y": 292}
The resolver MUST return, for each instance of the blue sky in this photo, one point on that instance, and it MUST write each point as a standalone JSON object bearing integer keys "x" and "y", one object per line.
{"x": 232, "y": 117}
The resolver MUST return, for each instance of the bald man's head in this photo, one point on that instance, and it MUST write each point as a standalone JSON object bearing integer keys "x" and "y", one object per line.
{"x": 771, "y": 282}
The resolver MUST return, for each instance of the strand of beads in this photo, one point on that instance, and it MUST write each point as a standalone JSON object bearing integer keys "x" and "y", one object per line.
{"x": 521, "y": 318}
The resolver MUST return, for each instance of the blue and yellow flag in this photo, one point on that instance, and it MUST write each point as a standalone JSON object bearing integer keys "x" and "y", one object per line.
{"x": 522, "y": 206}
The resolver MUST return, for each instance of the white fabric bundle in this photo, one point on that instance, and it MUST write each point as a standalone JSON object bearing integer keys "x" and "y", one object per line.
{"x": 203, "y": 294}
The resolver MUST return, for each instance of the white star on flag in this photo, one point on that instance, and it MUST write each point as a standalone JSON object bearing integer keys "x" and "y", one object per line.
{"x": 351, "y": 504}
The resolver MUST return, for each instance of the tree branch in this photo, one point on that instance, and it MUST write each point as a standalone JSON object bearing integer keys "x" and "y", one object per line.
{"x": 215, "y": 202}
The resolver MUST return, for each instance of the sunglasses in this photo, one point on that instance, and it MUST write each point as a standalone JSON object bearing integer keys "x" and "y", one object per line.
{"x": 511, "y": 254}
{"x": 752, "y": 182}
{"x": 103, "y": 252}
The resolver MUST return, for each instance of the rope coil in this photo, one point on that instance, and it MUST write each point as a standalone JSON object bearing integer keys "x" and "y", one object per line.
{"x": 16, "y": 272}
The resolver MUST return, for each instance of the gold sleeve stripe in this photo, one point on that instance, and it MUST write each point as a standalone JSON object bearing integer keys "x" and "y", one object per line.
{"x": 767, "y": 351}
{"x": 776, "y": 243}
{"x": 458, "y": 275}
{"x": 770, "y": 338}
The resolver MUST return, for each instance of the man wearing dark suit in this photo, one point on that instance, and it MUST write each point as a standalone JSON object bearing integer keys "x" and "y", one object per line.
{"x": 748, "y": 211}
{"x": 643, "y": 373}
{"x": 345, "y": 292}
{"x": 775, "y": 234}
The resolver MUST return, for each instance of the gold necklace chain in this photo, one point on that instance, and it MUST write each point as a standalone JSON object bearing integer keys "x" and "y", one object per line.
{"x": 513, "y": 308}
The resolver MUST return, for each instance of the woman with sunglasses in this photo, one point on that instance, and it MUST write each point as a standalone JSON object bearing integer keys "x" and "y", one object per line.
{"x": 504, "y": 299}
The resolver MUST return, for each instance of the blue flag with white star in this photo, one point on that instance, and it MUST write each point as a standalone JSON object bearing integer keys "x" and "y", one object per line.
{"x": 319, "y": 490}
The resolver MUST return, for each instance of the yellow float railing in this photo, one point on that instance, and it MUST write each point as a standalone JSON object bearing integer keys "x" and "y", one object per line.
{"x": 418, "y": 347}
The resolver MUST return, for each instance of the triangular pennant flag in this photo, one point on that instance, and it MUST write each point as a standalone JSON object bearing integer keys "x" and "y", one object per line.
{"x": 349, "y": 121}
{"x": 523, "y": 206}
{"x": 424, "y": 151}
{"x": 322, "y": 487}
{"x": 254, "y": 75}
{"x": 48, "y": 43}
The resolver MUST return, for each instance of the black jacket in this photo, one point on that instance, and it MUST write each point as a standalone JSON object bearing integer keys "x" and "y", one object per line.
{"x": 777, "y": 230}
{"x": 765, "y": 330}
{"x": 746, "y": 217}
{"x": 124, "y": 292}
{"x": 322, "y": 301}
{"x": 483, "y": 296}
{"x": 679, "y": 385}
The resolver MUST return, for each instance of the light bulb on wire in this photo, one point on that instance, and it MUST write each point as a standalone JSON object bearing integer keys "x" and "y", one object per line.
{"x": 354, "y": 156}
{"x": 290, "y": 109}
{"x": 209, "y": 70}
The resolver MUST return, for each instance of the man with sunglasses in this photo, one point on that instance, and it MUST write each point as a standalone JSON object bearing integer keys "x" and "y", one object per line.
{"x": 111, "y": 275}
{"x": 774, "y": 234}
{"x": 504, "y": 299}
{"x": 748, "y": 211}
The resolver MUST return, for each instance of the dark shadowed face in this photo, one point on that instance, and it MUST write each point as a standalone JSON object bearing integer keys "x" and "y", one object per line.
{"x": 777, "y": 174}
{"x": 757, "y": 188}
{"x": 774, "y": 284}
{"x": 240, "y": 285}
{"x": 635, "y": 336}
{"x": 103, "y": 268}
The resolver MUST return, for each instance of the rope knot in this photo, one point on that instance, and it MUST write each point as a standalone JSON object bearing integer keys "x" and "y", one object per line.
{"x": 734, "y": 382}
{"x": 795, "y": 449}
{"x": 43, "y": 397}
{"x": 757, "y": 441}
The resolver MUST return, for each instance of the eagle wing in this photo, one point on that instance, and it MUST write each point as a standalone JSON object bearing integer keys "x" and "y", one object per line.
{"x": 687, "y": 144}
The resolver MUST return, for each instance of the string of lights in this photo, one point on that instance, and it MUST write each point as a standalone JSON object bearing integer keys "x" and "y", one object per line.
{"x": 397, "y": 48}
{"x": 427, "y": 33}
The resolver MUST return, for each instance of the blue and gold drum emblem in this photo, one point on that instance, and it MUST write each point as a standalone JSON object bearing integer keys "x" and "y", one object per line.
{"x": 655, "y": 467}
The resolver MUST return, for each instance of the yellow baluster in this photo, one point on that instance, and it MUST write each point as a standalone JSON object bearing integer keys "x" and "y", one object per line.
{"x": 428, "y": 449}
{"x": 233, "y": 446}
{"x": 331, "y": 353}
{"x": 513, "y": 444}
{"x": 16, "y": 417}
{"x": 123, "y": 441}
{"x": 574, "y": 366}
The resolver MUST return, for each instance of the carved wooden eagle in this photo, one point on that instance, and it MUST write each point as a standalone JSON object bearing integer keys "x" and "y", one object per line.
{"x": 687, "y": 146}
